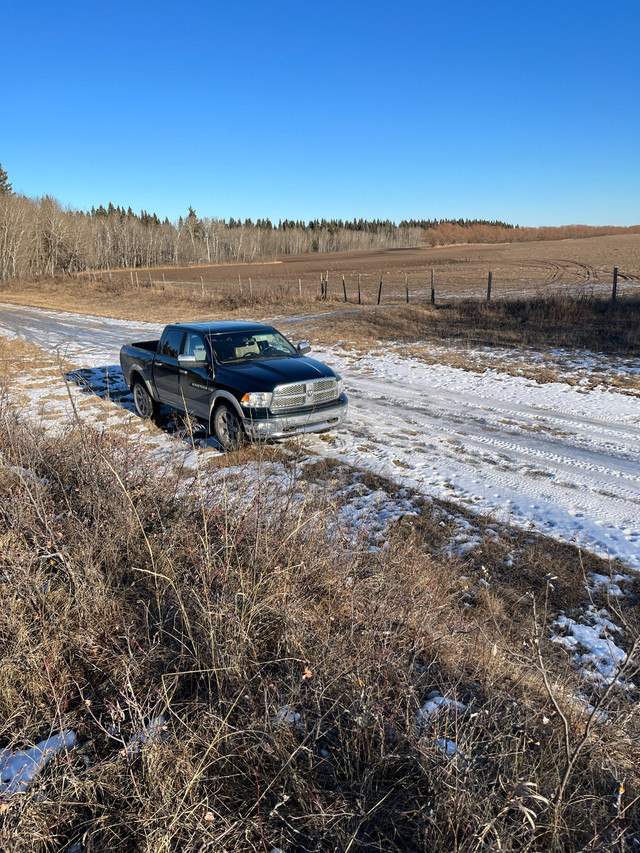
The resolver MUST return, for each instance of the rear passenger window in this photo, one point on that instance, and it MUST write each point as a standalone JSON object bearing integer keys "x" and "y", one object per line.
{"x": 171, "y": 343}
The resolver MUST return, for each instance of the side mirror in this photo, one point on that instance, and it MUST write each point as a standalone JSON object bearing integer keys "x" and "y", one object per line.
{"x": 303, "y": 347}
{"x": 192, "y": 359}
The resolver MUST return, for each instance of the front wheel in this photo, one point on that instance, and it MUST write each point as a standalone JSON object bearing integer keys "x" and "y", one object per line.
{"x": 145, "y": 405}
{"x": 227, "y": 427}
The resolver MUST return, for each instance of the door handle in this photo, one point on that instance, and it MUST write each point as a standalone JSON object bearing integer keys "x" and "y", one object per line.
{"x": 184, "y": 371}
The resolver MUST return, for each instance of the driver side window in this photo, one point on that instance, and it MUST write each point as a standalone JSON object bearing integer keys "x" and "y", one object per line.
{"x": 194, "y": 345}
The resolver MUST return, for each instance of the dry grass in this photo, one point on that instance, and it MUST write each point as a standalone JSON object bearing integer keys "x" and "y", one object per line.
{"x": 162, "y": 303}
{"x": 556, "y": 321}
{"x": 129, "y": 593}
{"x": 15, "y": 353}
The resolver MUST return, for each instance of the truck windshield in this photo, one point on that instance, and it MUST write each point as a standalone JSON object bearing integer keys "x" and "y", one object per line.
{"x": 244, "y": 346}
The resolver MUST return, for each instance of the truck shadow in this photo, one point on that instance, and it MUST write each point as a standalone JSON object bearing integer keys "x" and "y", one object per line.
{"x": 108, "y": 383}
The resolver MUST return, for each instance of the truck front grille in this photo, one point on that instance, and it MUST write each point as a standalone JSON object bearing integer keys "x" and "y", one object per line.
{"x": 298, "y": 395}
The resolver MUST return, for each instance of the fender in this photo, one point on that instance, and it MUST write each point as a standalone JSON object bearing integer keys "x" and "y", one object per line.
{"x": 228, "y": 398}
{"x": 136, "y": 372}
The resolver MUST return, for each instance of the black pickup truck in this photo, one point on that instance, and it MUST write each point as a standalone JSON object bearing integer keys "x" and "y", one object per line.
{"x": 238, "y": 378}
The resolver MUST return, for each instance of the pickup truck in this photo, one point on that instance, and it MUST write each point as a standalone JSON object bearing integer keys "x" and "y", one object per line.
{"x": 238, "y": 378}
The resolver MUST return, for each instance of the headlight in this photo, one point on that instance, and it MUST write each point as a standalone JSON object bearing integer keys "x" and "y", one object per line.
{"x": 257, "y": 400}
{"x": 340, "y": 384}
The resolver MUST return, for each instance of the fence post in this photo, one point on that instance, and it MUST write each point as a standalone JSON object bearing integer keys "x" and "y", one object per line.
{"x": 202, "y": 286}
{"x": 359, "y": 300}
{"x": 433, "y": 286}
{"x": 406, "y": 287}
{"x": 130, "y": 273}
{"x": 150, "y": 279}
{"x": 380, "y": 290}
{"x": 489, "y": 286}
{"x": 614, "y": 289}
{"x": 137, "y": 282}
{"x": 163, "y": 280}
{"x": 344, "y": 289}
{"x": 300, "y": 287}
{"x": 250, "y": 289}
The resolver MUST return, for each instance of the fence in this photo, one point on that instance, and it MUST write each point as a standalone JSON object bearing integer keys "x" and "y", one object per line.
{"x": 358, "y": 288}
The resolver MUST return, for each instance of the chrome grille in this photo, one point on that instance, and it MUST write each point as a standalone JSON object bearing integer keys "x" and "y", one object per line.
{"x": 297, "y": 395}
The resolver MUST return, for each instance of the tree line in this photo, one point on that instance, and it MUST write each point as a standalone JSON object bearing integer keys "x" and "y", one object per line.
{"x": 38, "y": 236}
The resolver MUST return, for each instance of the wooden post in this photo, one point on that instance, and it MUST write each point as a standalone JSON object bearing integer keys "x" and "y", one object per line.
{"x": 300, "y": 287}
{"x": 380, "y": 290}
{"x": 202, "y": 286}
{"x": 110, "y": 275}
{"x": 137, "y": 282}
{"x": 131, "y": 274}
{"x": 344, "y": 289}
{"x": 489, "y": 286}
{"x": 433, "y": 286}
{"x": 406, "y": 287}
{"x": 163, "y": 280}
{"x": 250, "y": 288}
{"x": 614, "y": 290}
{"x": 150, "y": 279}
{"x": 240, "y": 285}
{"x": 326, "y": 285}
{"x": 359, "y": 299}
{"x": 321, "y": 286}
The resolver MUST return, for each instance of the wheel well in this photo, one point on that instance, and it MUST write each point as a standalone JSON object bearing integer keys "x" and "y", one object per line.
{"x": 223, "y": 400}
{"x": 136, "y": 376}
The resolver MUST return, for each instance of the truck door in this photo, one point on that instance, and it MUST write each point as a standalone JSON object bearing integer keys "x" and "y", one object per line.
{"x": 196, "y": 381}
{"x": 165, "y": 367}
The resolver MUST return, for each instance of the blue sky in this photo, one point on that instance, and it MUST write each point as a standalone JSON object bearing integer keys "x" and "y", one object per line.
{"x": 528, "y": 112}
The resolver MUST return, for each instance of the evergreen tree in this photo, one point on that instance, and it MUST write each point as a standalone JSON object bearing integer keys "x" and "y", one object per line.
{"x": 5, "y": 186}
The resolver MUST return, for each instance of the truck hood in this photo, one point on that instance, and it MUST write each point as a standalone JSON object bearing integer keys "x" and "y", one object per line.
{"x": 265, "y": 375}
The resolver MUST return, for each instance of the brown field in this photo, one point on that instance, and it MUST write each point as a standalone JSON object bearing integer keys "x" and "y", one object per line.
{"x": 518, "y": 268}
{"x": 577, "y": 267}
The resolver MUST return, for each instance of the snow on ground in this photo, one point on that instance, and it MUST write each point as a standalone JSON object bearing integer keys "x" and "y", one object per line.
{"x": 592, "y": 644}
{"x": 18, "y": 769}
{"x": 560, "y": 458}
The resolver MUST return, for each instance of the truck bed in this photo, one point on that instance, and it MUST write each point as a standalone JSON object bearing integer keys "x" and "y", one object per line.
{"x": 150, "y": 346}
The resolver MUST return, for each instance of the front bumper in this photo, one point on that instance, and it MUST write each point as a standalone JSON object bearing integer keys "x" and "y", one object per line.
{"x": 281, "y": 426}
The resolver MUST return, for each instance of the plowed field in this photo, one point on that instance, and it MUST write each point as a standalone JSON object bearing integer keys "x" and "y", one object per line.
{"x": 526, "y": 269}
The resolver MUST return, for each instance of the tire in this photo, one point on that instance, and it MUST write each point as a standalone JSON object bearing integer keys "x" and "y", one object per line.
{"x": 145, "y": 405}
{"x": 227, "y": 427}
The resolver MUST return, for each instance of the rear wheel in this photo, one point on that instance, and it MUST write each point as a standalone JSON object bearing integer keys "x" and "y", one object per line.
{"x": 145, "y": 405}
{"x": 227, "y": 427}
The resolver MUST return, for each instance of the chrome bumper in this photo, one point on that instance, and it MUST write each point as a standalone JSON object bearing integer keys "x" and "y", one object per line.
{"x": 280, "y": 426}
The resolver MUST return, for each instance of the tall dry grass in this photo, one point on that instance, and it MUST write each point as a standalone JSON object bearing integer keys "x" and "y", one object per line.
{"x": 554, "y": 321}
{"x": 289, "y": 662}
